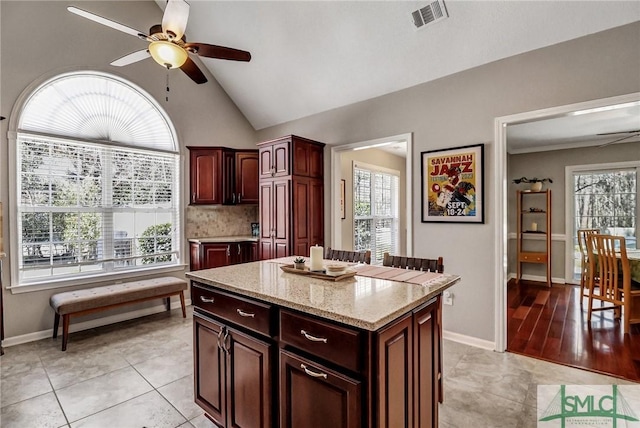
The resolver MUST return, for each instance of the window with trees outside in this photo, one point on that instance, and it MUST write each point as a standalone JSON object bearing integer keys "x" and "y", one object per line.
{"x": 96, "y": 182}
{"x": 605, "y": 199}
{"x": 375, "y": 210}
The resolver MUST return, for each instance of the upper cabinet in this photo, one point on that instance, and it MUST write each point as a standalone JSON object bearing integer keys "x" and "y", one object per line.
{"x": 291, "y": 155}
{"x": 220, "y": 175}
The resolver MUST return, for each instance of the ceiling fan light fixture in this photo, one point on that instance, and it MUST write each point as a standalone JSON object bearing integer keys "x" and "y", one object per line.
{"x": 168, "y": 54}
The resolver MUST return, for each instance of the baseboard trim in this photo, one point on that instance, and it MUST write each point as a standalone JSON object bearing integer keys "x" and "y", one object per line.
{"x": 538, "y": 278}
{"x": 469, "y": 340}
{"x": 86, "y": 325}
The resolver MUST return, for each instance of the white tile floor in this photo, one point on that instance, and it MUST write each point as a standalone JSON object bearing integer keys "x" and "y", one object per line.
{"x": 140, "y": 374}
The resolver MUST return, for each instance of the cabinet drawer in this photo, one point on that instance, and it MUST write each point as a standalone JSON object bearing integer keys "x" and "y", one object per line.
{"x": 340, "y": 345}
{"x": 533, "y": 257}
{"x": 246, "y": 313}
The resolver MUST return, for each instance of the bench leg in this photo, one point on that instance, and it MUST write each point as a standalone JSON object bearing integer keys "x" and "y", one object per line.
{"x": 65, "y": 331}
{"x": 167, "y": 303}
{"x": 184, "y": 310}
{"x": 56, "y": 324}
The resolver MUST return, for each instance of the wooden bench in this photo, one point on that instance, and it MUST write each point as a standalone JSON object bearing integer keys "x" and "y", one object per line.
{"x": 82, "y": 302}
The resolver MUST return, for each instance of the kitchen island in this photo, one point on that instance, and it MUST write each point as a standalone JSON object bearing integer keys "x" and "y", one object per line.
{"x": 272, "y": 348}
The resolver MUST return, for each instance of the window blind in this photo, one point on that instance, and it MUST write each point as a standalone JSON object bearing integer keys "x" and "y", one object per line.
{"x": 376, "y": 211}
{"x": 90, "y": 208}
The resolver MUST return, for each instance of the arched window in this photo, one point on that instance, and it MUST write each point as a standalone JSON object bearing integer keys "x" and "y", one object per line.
{"x": 97, "y": 181}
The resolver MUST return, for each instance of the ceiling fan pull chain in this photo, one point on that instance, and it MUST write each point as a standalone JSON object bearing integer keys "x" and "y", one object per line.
{"x": 166, "y": 98}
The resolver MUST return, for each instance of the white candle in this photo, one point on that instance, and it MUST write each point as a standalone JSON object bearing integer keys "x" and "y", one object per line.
{"x": 317, "y": 255}
{"x": 534, "y": 226}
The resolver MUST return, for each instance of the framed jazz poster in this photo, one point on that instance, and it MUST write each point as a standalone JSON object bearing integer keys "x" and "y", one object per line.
{"x": 452, "y": 185}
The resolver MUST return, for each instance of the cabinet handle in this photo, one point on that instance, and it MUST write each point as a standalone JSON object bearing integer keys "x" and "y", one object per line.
{"x": 206, "y": 300}
{"x": 239, "y": 249}
{"x": 239, "y": 198}
{"x": 227, "y": 347}
{"x": 228, "y": 250}
{"x": 219, "y": 339}
{"x": 312, "y": 373}
{"x": 233, "y": 198}
{"x": 313, "y": 338}
{"x": 273, "y": 171}
{"x": 193, "y": 197}
{"x": 245, "y": 314}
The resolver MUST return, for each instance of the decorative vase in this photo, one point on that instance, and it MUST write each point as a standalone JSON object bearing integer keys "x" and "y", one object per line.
{"x": 537, "y": 186}
{"x": 299, "y": 266}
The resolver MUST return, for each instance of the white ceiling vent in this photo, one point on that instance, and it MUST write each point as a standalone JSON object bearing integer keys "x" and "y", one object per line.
{"x": 433, "y": 12}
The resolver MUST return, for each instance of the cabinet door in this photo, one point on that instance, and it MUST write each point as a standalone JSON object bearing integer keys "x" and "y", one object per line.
{"x": 395, "y": 375}
{"x": 249, "y": 382}
{"x": 316, "y": 161}
{"x": 255, "y": 256}
{"x": 313, "y": 396}
{"x": 300, "y": 216}
{"x": 228, "y": 177}
{"x": 194, "y": 256}
{"x": 300, "y": 158}
{"x": 266, "y": 221}
{"x": 281, "y": 159}
{"x": 205, "y": 171}
{"x": 265, "y": 155}
{"x": 246, "y": 182}
{"x": 316, "y": 212}
{"x": 426, "y": 357}
{"x": 215, "y": 255}
{"x": 281, "y": 217}
{"x": 209, "y": 368}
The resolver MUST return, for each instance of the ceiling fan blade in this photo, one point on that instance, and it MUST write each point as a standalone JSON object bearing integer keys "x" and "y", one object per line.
{"x": 104, "y": 21}
{"x": 131, "y": 58}
{"x": 220, "y": 52}
{"x": 175, "y": 18}
{"x": 191, "y": 69}
{"x": 619, "y": 140}
{"x": 621, "y": 132}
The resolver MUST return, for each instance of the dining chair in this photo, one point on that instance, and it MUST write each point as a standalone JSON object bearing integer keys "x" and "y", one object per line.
{"x": 348, "y": 256}
{"x": 415, "y": 263}
{"x": 610, "y": 270}
{"x": 583, "y": 235}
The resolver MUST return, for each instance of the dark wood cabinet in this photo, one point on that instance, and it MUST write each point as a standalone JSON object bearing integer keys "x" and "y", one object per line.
{"x": 205, "y": 172}
{"x": 220, "y": 175}
{"x": 409, "y": 364}
{"x": 291, "y": 196}
{"x": 246, "y": 180}
{"x": 314, "y": 396}
{"x": 212, "y": 255}
{"x": 257, "y": 363}
{"x": 233, "y": 375}
{"x": 395, "y": 362}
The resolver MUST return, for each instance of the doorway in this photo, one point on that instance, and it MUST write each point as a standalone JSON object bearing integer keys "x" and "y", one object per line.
{"x": 582, "y": 335}
{"x": 340, "y": 154}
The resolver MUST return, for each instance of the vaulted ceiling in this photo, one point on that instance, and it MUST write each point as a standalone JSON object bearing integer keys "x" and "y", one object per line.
{"x": 313, "y": 56}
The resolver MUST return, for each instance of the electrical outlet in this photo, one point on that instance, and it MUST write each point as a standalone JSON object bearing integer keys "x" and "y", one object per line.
{"x": 447, "y": 298}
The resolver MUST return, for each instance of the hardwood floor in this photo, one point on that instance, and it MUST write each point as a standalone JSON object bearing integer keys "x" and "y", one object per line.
{"x": 549, "y": 324}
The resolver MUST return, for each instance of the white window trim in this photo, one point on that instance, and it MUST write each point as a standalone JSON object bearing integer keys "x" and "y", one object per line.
{"x": 569, "y": 171}
{"x": 12, "y": 137}
{"x": 377, "y": 168}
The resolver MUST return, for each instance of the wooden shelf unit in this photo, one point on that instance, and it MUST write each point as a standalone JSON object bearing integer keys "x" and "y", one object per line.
{"x": 541, "y": 200}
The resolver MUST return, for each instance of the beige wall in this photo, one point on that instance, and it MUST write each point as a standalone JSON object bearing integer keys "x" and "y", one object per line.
{"x": 383, "y": 159}
{"x": 42, "y": 39}
{"x": 552, "y": 164}
{"x": 460, "y": 110}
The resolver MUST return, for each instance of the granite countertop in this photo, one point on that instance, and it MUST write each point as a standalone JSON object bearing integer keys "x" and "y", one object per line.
{"x": 363, "y": 302}
{"x": 216, "y": 239}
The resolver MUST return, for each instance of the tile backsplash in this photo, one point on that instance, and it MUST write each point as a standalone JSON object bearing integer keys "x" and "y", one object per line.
{"x": 224, "y": 220}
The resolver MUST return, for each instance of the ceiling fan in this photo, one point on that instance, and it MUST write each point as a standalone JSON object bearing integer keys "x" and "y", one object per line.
{"x": 630, "y": 134}
{"x": 168, "y": 45}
